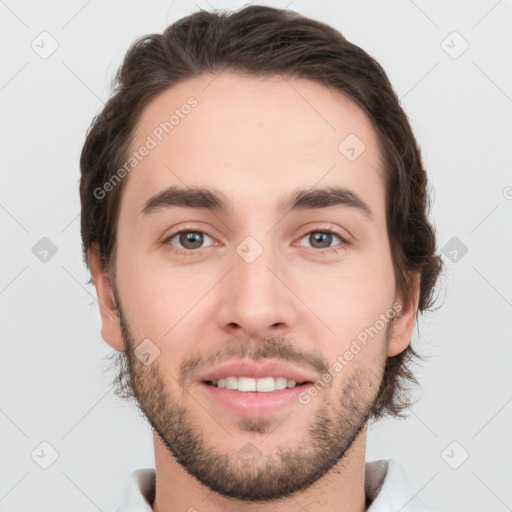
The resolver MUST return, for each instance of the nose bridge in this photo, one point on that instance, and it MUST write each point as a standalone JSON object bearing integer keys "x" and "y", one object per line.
{"x": 257, "y": 299}
{"x": 257, "y": 251}
{"x": 253, "y": 263}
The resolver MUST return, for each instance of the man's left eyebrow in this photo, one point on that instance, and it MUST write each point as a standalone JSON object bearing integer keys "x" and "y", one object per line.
{"x": 313, "y": 198}
{"x": 195, "y": 197}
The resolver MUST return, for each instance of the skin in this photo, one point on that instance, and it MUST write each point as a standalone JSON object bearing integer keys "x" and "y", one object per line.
{"x": 255, "y": 139}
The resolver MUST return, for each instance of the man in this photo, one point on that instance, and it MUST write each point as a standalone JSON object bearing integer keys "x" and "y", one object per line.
{"x": 254, "y": 216}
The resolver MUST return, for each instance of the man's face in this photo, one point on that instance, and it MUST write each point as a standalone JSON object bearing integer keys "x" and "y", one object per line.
{"x": 277, "y": 292}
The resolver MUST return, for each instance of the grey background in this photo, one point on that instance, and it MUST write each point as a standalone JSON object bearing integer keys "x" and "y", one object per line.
{"x": 54, "y": 383}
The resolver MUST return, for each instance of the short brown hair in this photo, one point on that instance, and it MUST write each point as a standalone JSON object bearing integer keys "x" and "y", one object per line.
{"x": 265, "y": 41}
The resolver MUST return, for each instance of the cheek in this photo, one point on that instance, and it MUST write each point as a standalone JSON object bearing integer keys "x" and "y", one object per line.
{"x": 168, "y": 306}
{"x": 352, "y": 303}
{"x": 157, "y": 309}
{"x": 354, "y": 312}
{"x": 153, "y": 300}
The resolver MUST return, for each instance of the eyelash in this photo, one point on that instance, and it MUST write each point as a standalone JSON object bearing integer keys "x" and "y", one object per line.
{"x": 194, "y": 252}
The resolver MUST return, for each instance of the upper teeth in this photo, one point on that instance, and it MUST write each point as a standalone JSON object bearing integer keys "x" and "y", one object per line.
{"x": 265, "y": 384}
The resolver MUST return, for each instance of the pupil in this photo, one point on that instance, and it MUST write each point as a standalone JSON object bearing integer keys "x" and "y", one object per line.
{"x": 189, "y": 237}
{"x": 322, "y": 236}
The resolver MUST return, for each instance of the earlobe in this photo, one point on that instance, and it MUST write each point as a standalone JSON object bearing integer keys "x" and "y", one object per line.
{"x": 405, "y": 321}
{"x": 110, "y": 325}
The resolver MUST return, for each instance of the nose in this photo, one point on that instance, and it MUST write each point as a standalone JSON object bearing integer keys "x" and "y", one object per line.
{"x": 257, "y": 300}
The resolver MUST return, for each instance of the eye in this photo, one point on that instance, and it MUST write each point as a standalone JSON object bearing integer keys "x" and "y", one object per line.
{"x": 323, "y": 239}
{"x": 190, "y": 240}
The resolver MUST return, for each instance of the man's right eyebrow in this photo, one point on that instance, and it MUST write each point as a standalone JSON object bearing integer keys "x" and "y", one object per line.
{"x": 191, "y": 197}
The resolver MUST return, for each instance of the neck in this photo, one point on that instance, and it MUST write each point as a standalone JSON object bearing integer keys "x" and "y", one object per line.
{"x": 340, "y": 490}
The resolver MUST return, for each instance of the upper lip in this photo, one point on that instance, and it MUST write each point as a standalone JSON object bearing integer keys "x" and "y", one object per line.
{"x": 246, "y": 368}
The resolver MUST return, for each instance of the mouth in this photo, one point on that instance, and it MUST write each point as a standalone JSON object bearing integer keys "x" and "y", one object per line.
{"x": 254, "y": 398}
{"x": 253, "y": 389}
{"x": 255, "y": 385}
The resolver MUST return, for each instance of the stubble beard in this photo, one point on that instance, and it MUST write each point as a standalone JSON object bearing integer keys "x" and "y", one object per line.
{"x": 266, "y": 477}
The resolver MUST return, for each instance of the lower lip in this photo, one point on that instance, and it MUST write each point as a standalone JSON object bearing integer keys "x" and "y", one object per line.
{"x": 253, "y": 404}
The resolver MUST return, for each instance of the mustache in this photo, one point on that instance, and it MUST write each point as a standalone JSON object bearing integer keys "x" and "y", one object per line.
{"x": 274, "y": 347}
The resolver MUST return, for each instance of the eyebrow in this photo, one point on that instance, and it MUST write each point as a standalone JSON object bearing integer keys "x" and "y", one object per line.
{"x": 195, "y": 197}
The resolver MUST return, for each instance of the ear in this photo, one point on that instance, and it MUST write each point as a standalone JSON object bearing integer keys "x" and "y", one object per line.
{"x": 110, "y": 325}
{"x": 405, "y": 321}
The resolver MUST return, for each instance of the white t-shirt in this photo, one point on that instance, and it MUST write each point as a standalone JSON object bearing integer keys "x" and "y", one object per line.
{"x": 386, "y": 487}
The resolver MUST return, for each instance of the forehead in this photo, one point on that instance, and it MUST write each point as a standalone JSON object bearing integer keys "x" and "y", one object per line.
{"x": 254, "y": 138}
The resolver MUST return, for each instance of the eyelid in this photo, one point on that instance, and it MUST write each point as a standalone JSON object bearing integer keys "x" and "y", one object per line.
{"x": 344, "y": 234}
{"x": 173, "y": 231}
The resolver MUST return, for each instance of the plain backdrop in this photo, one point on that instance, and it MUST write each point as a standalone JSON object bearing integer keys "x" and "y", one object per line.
{"x": 449, "y": 63}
